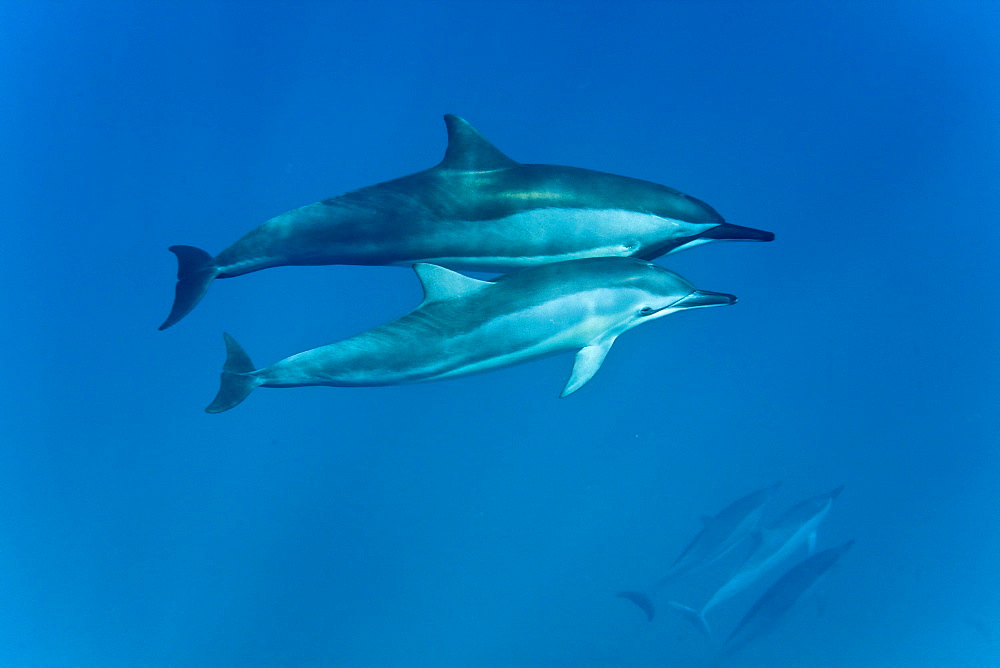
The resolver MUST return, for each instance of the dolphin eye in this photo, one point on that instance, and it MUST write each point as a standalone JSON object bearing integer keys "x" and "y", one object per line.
{"x": 645, "y": 310}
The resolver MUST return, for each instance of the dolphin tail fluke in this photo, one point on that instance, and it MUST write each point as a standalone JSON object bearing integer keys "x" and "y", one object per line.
{"x": 195, "y": 272}
{"x": 641, "y": 600}
{"x": 237, "y": 380}
{"x": 696, "y": 617}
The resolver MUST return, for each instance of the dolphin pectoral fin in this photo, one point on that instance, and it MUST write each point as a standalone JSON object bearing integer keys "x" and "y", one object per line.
{"x": 440, "y": 283}
{"x": 469, "y": 151}
{"x": 641, "y": 600}
{"x": 236, "y": 382}
{"x": 588, "y": 361}
{"x": 195, "y": 272}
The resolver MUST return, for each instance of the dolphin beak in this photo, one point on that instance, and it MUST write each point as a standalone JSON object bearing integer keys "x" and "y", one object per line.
{"x": 737, "y": 233}
{"x": 702, "y": 298}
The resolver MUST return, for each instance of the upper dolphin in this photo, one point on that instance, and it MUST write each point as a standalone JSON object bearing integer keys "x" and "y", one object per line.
{"x": 477, "y": 210}
{"x": 466, "y": 326}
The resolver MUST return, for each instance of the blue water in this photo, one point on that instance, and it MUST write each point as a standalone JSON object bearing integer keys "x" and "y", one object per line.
{"x": 484, "y": 521}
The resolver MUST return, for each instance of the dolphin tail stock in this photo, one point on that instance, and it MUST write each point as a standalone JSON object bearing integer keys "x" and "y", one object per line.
{"x": 237, "y": 380}
{"x": 696, "y": 617}
{"x": 195, "y": 272}
{"x": 641, "y": 600}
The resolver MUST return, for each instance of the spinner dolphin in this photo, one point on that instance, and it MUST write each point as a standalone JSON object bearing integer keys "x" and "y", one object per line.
{"x": 775, "y": 603}
{"x": 466, "y": 326}
{"x": 772, "y": 546}
{"x": 477, "y": 210}
{"x": 718, "y": 536}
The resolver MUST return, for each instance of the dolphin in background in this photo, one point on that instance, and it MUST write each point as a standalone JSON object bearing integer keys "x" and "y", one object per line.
{"x": 718, "y": 536}
{"x": 782, "y": 596}
{"x": 465, "y": 326}
{"x": 476, "y": 210}
{"x": 774, "y": 545}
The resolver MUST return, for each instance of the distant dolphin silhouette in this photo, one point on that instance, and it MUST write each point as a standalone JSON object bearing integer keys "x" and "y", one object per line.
{"x": 717, "y": 537}
{"x": 466, "y": 326}
{"x": 477, "y": 210}
{"x": 765, "y": 614}
{"x": 774, "y": 545}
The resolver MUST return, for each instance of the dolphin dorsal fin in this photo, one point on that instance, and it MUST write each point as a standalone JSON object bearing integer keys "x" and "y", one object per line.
{"x": 469, "y": 151}
{"x": 440, "y": 283}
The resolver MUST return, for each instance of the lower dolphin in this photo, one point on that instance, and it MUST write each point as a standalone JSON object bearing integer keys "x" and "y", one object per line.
{"x": 765, "y": 614}
{"x": 466, "y": 326}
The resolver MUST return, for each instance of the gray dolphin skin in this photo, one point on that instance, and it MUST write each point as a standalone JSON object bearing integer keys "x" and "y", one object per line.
{"x": 465, "y": 326}
{"x": 717, "y": 537}
{"x": 477, "y": 210}
{"x": 782, "y": 596}
{"x": 774, "y": 544}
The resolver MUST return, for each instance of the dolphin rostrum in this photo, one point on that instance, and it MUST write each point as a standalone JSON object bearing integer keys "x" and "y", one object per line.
{"x": 774, "y": 545}
{"x": 717, "y": 537}
{"x": 465, "y": 325}
{"x": 780, "y": 597}
{"x": 477, "y": 210}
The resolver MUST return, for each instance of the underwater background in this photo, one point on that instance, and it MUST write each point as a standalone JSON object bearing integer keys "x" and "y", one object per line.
{"x": 484, "y": 521}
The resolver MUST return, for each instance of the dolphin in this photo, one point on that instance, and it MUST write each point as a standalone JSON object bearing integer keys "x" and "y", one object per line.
{"x": 717, "y": 537}
{"x": 774, "y": 604}
{"x": 477, "y": 210}
{"x": 773, "y": 546}
{"x": 465, "y": 325}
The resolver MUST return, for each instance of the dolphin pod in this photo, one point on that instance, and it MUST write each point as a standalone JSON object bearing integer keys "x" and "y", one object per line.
{"x": 574, "y": 247}
{"x": 465, "y": 326}
{"x": 772, "y": 546}
{"x": 769, "y": 548}
{"x": 718, "y": 536}
{"x": 477, "y": 210}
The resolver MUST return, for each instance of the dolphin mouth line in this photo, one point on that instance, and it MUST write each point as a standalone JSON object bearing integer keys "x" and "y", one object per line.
{"x": 702, "y": 298}
{"x": 730, "y": 232}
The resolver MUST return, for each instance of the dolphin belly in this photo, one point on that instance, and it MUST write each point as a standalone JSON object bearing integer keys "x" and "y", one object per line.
{"x": 404, "y": 233}
{"x": 435, "y": 344}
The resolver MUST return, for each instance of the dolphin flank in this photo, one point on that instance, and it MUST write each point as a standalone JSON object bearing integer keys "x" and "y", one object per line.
{"x": 765, "y": 614}
{"x": 466, "y": 326}
{"x": 477, "y": 210}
